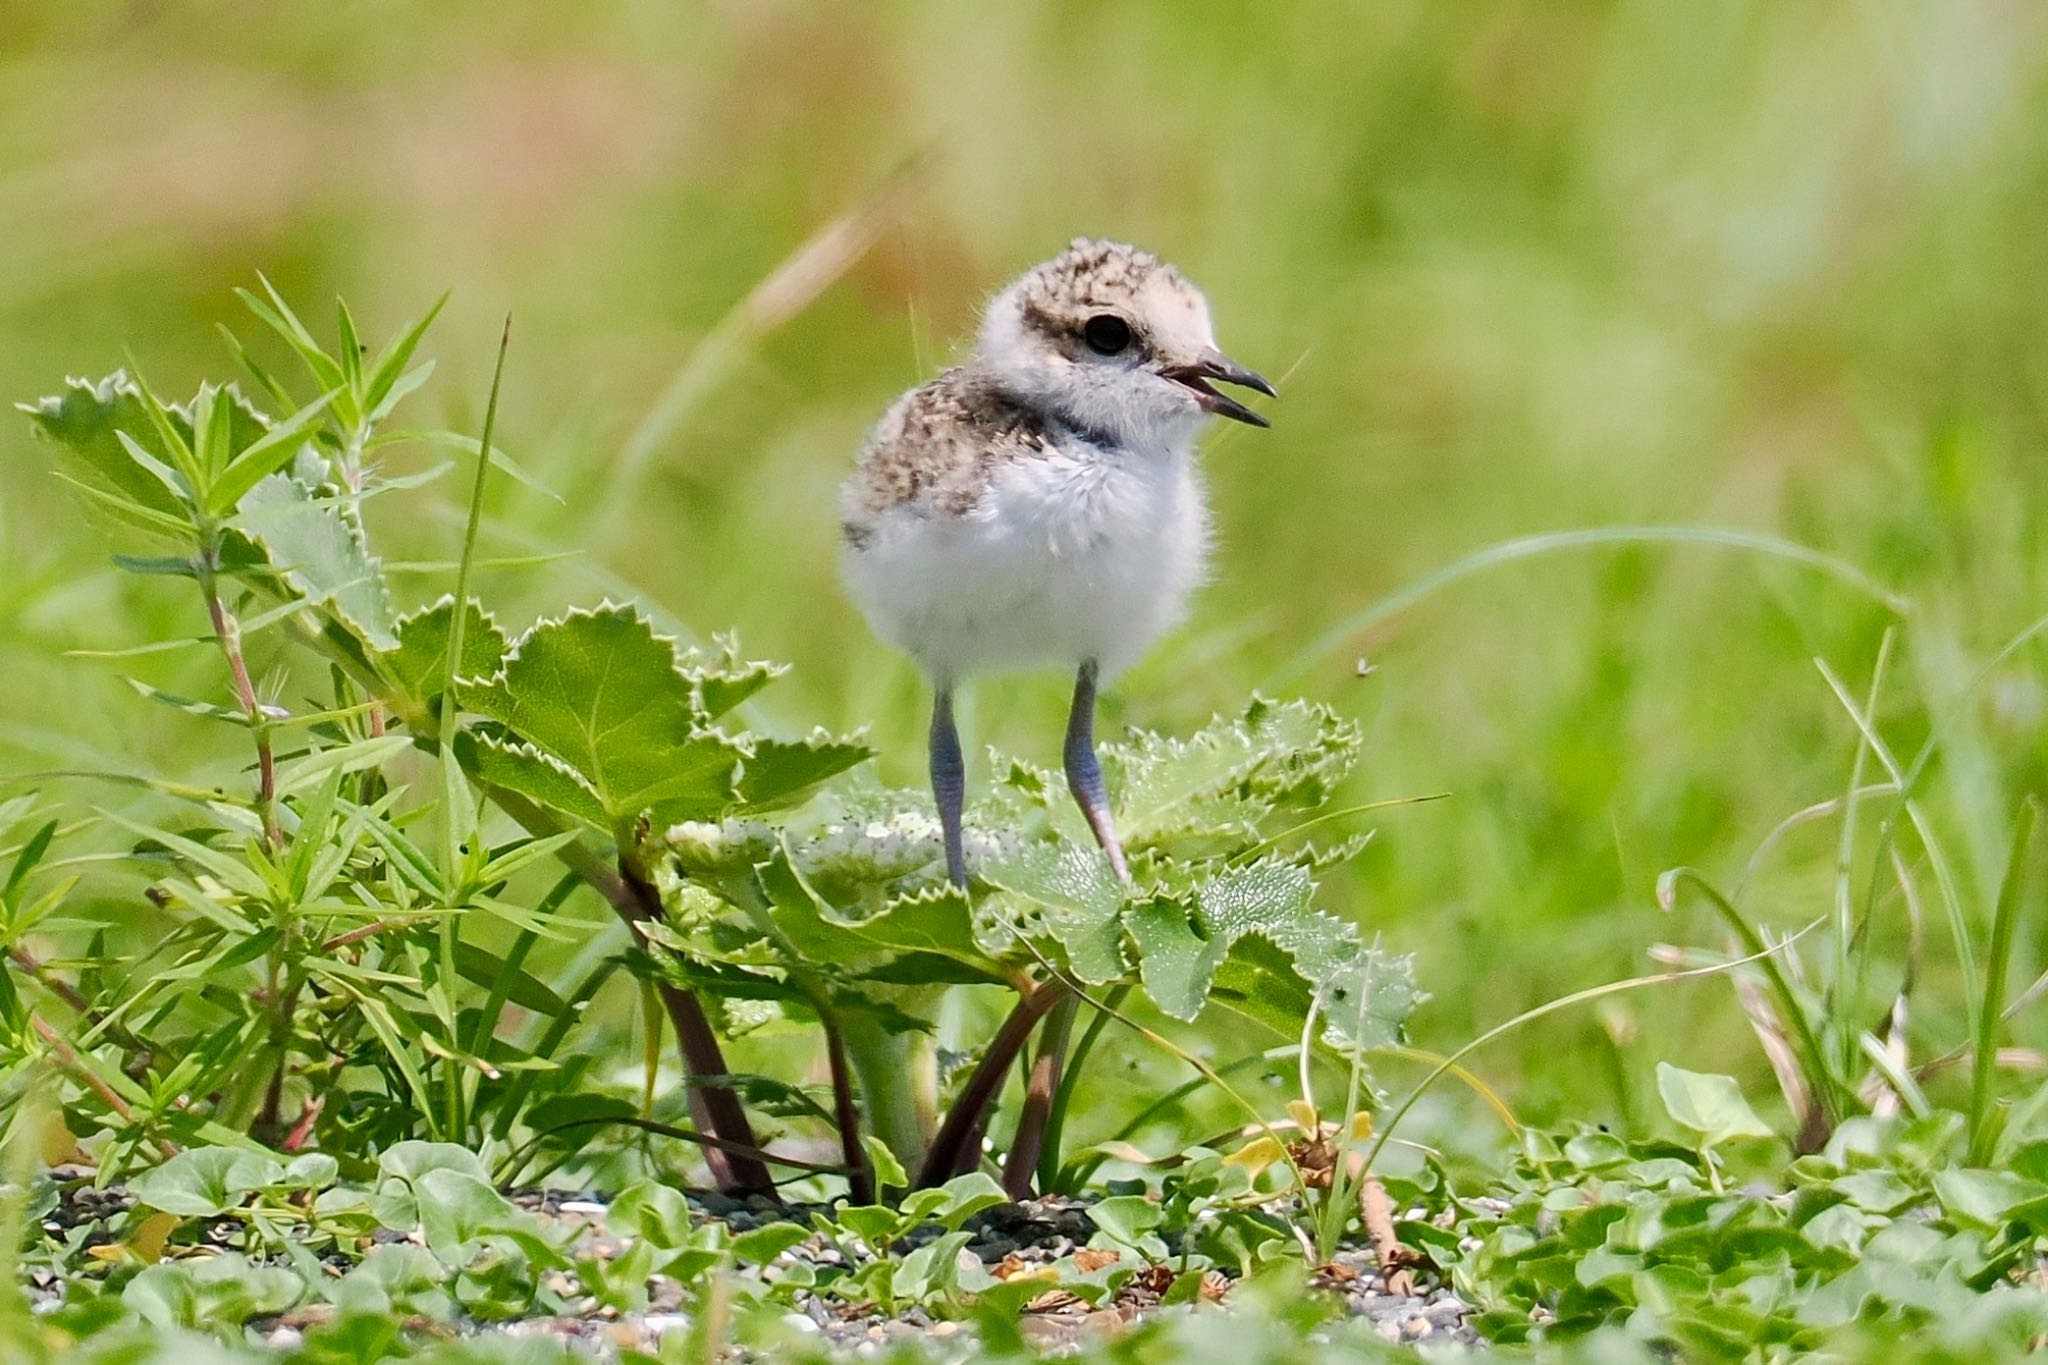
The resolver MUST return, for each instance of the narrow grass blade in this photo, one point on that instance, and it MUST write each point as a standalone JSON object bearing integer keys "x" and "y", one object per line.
{"x": 1530, "y": 547}
{"x": 1990, "y": 1010}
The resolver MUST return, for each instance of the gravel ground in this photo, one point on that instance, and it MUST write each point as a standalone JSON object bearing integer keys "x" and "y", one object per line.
{"x": 1008, "y": 1241}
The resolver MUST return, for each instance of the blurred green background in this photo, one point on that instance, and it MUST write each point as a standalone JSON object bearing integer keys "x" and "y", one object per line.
{"x": 1519, "y": 266}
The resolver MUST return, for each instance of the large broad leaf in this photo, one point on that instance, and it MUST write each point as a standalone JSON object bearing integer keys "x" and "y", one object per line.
{"x": 321, "y": 554}
{"x": 601, "y": 695}
{"x": 938, "y": 921}
{"x": 420, "y": 663}
{"x": 107, "y": 427}
{"x": 1363, "y": 1001}
{"x": 1077, "y": 898}
{"x": 1184, "y": 944}
{"x": 1230, "y": 772}
{"x": 781, "y": 772}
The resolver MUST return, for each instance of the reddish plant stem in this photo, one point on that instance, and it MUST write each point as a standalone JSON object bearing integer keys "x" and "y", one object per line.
{"x": 303, "y": 1129}
{"x": 952, "y": 1151}
{"x": 371, "y": 930}
{"x": 1044, "y": 1082}
{"x": 54, "y": 984}
{"x": 228, "y": 631}
{"x": 860, "y": 1182}
{"x": 68, "y": 1059}
{"x": 716, "y": 1110}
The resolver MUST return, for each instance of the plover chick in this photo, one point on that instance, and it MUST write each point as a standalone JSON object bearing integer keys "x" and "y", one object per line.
{"x": 1039, "y": 505}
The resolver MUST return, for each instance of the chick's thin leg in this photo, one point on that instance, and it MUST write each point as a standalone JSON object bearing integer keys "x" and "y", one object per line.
{"x": 949, "y": 782}
{"x": 1084, "y": 774}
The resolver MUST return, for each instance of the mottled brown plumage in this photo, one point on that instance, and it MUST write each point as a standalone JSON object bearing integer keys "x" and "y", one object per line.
{"x": 937, "y": 446}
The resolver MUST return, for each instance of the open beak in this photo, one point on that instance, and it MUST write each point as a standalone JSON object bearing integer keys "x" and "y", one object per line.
{"x": 1216, "y": 365}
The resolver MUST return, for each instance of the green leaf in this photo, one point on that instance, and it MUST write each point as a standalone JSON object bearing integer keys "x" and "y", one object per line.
{"x": 1274, "y": 752}
{"x": 724, "y": 680}
{"x": 204, "y": 1182}
{"x": 1181, "y": 946}
{"x": 600, "y": 694}
{"x": 457, "y": 1210}
{"x": 1263, "y": 983}
{"x": 522, "y": 988}
{"x": 521, "y": 768}
{"x": 263, "y": 457}
{"x": 420, "y": 663}
{"x": 779, "y": 772}
{"x": 392, "y": 360}
{"x": 1711, "y": 1106}
{"x": 322, "y": 556}
{"x": 87, "y": 419}
{"x": 1127, "y": 1218}
{"x": 1983, "y": 1198}
{"x": 764, "y": 1244}
{"x": 938, "y": 920}
{"x": 889, "y": 1172}
{"x": 1078, "y": 898}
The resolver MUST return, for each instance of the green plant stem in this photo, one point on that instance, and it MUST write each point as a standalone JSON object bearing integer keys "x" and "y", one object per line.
{"x": 951, "y": 1150}
{"x": 67, "y": 1059}
{"x": 896, "y": 1086}
{"x": 1049, "y": 1172}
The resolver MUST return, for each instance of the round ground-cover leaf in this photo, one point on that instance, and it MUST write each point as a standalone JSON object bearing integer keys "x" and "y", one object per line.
{"x": 1711, "y": 1106}
{"x": 204, "y": 1182}
{"x": 764, "y": 1244}
{"x": 457, "y": 1211}
{"x": 395, "y": 1202}
{"x": 217, "y": 1292}
{"x": 1986, "y": 1199}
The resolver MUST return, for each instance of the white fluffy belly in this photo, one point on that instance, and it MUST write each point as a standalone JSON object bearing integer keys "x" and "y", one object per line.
{"x": 1063, "y": 559}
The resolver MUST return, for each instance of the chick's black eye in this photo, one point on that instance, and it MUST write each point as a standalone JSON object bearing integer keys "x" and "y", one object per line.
{"x": 1106, "y": 334}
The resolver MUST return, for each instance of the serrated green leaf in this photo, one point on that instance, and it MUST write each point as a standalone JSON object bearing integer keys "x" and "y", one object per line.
{"x": 1183, "y": 943}
{"x": 1272, "y": 751}
{"x": 420, "y": 663}
{"x": 322, "y": 556}
{"x": 1079, "y": 901}
{"x": 1263, "y": 983}
{"x": 780, "y": 772}
{"x": 601, "y": 694}
{"x": 938, "y": 921}
{"x": 521, "y": 768}
{"x": 87, "y": 419}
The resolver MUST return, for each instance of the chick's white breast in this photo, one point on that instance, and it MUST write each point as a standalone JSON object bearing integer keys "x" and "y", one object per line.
{"x": 992, "y": 546}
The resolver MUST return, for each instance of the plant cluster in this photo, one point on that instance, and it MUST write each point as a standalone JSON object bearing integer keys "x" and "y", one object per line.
{"x": 359, "y": 947}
